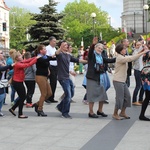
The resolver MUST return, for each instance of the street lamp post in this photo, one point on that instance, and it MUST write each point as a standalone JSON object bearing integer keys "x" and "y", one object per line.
{"x": 93, "y": 15}
{"x": 146, "y": 7}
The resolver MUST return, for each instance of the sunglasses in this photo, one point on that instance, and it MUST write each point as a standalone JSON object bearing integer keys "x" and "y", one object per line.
{"x": 105, "y": 44}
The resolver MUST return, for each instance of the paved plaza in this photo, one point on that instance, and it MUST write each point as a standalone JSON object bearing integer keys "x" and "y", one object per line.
{"x": 80, "y": 133}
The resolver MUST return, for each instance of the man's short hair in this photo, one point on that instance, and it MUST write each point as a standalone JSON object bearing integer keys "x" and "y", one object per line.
{"x": 27, "y": 55}
{"x": 123, "y": 40}
{"x": 51, "y": 38}
{"x": 60, "y": 42}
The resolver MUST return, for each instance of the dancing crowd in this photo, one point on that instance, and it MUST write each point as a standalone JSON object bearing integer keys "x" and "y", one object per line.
{"x": 48, "y": 65}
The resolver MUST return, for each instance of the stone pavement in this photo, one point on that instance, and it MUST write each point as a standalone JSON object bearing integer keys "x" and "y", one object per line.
{"x": 79, "y": 133}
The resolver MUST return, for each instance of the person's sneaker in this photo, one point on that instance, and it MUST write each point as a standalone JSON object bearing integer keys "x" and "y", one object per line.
{"x": 67, "y": 116}
{"x": 1, "y": 114}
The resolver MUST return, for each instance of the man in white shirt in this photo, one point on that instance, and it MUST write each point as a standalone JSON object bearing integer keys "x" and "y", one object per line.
{"x": 53, "y": 68}
{"x": 112, "y": 49}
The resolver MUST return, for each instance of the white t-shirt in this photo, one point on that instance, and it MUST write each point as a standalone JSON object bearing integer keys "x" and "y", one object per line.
{"x": 138, "y": 63}
{"x": 71, "y": 66}
{"x": 50, "y": 52}
{"x": 112, "y": 49}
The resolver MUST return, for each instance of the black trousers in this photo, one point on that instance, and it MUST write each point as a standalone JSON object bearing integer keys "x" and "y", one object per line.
{"x": 30, "y": 84}
{"x": 128, "y": 81}
{"x": 53, "y": 81}
{"x": 20, "y": 89}
{"x": 145, "y": 103}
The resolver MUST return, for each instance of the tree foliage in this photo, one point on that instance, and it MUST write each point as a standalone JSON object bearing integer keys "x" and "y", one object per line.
{"x": 20, "y": 21}
{"x": 48, "y": 23}
{"x": 79, "y": 23}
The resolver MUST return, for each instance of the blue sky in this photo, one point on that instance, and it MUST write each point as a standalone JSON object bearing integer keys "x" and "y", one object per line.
{"x": 113, "y": 7}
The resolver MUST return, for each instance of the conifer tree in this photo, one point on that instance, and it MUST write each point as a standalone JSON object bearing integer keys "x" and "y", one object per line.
{"x": 48, "y": 23}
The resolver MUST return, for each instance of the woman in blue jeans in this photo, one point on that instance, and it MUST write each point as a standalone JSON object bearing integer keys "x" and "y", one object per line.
{"x": 137, "y": 66}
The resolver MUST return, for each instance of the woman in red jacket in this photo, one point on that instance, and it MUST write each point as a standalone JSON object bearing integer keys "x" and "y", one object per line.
{"x": 18, "y": 79}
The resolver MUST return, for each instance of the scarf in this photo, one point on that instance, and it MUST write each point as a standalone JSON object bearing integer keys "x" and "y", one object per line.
{"x": 99, "y": 60}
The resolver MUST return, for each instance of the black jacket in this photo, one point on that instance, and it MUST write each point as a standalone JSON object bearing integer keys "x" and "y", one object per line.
{"x": 91, "y": 73}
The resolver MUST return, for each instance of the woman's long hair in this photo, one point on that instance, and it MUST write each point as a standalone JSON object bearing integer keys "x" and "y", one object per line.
{"x": 15, "y": 55}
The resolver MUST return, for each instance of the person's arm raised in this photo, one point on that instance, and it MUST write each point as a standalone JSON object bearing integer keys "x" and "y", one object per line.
{"x": 58, "y": 52}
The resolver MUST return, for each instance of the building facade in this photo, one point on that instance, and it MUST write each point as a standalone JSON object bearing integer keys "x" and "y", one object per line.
{"x": 134, "y": 17}
{"x": 4, "y": 27}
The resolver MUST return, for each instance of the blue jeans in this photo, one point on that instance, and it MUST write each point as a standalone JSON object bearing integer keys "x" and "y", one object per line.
{"x": 68, "y": 89}
{"x": 12, "y": 93}
{"x": 2, "y": 97}
{"x": 138, "y": 87}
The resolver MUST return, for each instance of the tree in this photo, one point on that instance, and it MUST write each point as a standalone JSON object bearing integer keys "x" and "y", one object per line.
{"x": 20, "y": 21}
{"x": 78, "y": 23}
{"x": 78, "y": 20}
{"x": 48, "y": 23}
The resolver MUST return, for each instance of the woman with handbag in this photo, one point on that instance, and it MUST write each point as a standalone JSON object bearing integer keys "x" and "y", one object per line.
{"x": 95, "y": 79}
{"x": 3, "y": 86}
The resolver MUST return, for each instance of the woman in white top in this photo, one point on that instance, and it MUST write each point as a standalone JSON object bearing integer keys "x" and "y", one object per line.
{"x": 137, "y": 66}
